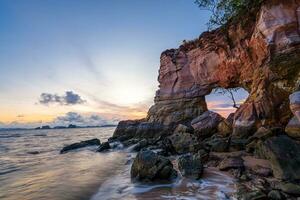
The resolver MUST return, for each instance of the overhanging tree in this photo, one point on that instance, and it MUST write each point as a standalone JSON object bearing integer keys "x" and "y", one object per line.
{"x": 226, "y": 10}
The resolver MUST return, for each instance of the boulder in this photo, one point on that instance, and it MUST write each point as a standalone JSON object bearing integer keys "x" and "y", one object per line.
{"x": 260, "y": 167}
{"x": 148, "y": 167}
{"x": 230, "y": 119}
{"x": 140, "y": 145}
{"x": 237, "y": 144}
{"x": 261, "y": 134}
{"x": 190, "y": 166}
{"x": 290, "y": 188}
{"x": 168, "y": 148}
{"x": 232, "y": 163}
{"x": 203, "y": 155}
{"x": 80, "y": 145}
{"x": 275, "y": 195}
{"x": 283, "y": 154}
{"x": 293, "y": 128}
{"x": 176, "y": 110}
{"x": 127, "y": 128}
{"x": 184, "y": 142}
{"x": 218, "y": 144}
{"x": 139, "y": 129}
{"x": 255, "y": 195}
{"x": 104, "y": 147}
{"x": 182, "y": 129}
{"x": 206, "y": 124}
{"x": 224, "y": 128}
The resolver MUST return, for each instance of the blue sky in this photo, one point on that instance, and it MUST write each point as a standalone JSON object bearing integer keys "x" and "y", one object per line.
{"x": 106, "y": 51}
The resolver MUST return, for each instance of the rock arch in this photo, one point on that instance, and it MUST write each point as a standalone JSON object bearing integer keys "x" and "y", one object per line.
{"x": 261, "y": 54}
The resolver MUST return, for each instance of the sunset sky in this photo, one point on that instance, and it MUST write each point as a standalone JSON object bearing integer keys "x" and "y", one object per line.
{"x": 89, "y": 62}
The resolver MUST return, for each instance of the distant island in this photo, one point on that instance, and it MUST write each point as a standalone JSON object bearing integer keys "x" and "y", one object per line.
{"x": 74, "y": 126}
{"x": 58, "y": 127}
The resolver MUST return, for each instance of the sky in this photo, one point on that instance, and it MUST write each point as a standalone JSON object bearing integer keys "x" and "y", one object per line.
{"x": 89, "y": 62}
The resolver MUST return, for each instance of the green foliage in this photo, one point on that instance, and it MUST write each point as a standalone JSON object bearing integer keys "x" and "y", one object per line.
{"x": 225, "y": 10}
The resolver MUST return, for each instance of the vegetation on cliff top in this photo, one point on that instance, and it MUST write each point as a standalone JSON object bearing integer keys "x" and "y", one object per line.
{"x": 226, "y": 10}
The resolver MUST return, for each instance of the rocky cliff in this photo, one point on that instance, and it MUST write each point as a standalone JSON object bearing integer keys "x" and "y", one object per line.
{"x": 260, "y": 143}
{"x": 260, "y": 53}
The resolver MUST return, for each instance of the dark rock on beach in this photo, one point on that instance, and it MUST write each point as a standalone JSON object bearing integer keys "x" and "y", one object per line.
{"x": 284, "y": 156}
{"x": 149, "y": 167}
{"x": 183, "y": 142}
{"x": 104, "y": 147}
{"x": 190, "y": 166}
{"x": 260, "y": 140}
{"x": 80, "y": 145}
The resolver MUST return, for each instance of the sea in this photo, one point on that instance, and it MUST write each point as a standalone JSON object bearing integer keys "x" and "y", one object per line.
{"x": 31, "y": 168}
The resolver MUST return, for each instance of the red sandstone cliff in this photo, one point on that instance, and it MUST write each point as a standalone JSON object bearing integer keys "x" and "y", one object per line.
{"x": 260, "y": 53}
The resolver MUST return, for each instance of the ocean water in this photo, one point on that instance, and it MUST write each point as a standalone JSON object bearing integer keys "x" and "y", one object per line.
{"x": 31, "y": 168}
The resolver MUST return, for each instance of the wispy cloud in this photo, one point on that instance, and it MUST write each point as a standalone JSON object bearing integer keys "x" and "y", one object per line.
{"x": 69, "y": 98}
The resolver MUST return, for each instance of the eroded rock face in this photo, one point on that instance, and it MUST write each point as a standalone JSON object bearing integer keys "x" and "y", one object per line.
{"x": 175, "y": 111}
{"x": 261, "y": 54}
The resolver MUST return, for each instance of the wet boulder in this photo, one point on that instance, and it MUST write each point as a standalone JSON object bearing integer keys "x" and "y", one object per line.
{"x": 206, "y": 124}
{"x": 104, "y": 147}
{"x": 190, "y": 166}
{"x": 140, "y": 145}
{"x": 149, "y": 167}
{"x": 284, "y": 156}
{"x": 80, "y": 145}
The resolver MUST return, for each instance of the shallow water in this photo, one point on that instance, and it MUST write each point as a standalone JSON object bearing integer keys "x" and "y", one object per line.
{"x": 32, "y": 168}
